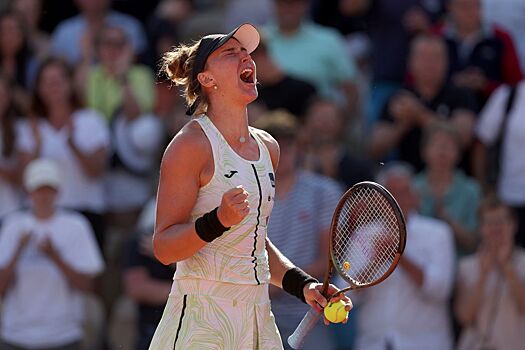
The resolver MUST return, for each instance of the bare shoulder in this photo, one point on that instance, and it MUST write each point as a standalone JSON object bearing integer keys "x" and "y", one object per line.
{"x": 190, "y": 144}
{"x": 271, "y": 144}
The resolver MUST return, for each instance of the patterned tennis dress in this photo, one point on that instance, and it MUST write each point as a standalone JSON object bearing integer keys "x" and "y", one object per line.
{"x": 219, "y": 298}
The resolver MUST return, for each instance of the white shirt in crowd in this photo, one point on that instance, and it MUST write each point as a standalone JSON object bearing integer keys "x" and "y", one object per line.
{"x": 397, "y": 312}
{"x": 511, "y": 186}
{"x": 40, "y": 308}
{"x": 499, "y": 321}
{"x": 78, "y": 191}
{"x": 10, "y": 196}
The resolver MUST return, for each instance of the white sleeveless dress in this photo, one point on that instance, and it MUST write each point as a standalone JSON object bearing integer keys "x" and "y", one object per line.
{"x": 219, "y": 298}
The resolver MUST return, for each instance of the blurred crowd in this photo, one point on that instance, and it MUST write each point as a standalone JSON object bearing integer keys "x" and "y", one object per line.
{"x": 426, "y": 97}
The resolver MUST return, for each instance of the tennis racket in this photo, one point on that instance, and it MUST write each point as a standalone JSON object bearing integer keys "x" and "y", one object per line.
{"x": 367, "y": 238}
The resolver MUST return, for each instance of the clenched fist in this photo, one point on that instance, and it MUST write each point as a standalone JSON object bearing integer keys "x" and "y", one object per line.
{"x": 234, "y": 206}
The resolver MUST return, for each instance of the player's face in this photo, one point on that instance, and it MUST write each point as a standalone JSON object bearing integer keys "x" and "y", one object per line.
{"x": 441, "y": 151}
{"x": 233, "y": 71}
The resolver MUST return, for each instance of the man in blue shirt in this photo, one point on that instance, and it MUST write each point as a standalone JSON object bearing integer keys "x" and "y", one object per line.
{"x": 73, "y": 39}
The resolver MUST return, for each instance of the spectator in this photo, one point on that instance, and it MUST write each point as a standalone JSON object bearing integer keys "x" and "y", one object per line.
{"x": 481, "y": 56}
{"x": 278, "y": 89}
{"x": 446, "y": 192}
{"x": 163, "y": 27}
{"x": 428, "y": 98}
{"x": 9, "y": 163}
{"x": 74, "y": 37}
{"x": 311, "y": 52}
{"x": 256, "y": 12}
{"x": 325, "y": 151}
{"x": 410, "y": 309}
{"x": 30, "y": 12}
{"x": 490, "y": 300}
{"x": 303, "y": 208}
{"x": 117, "y": 85}
{"x": 501, "y": 121}
{"x": 16, "y": 60}
{"x": 329, "y": 13}
{"x": 78, "y": 139}
{"x": 391, "y": 26}
{"x": 48, "y": 258}
{"x": 124, "y": 93}
{"x": 146, "y": 281}
{"x": 509, "y": 15}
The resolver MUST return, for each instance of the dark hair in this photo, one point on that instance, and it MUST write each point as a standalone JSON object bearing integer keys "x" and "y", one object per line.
{"x": 492, "y": 201}
{"x": 430, "y": 38}
{"x": 7, "y": 119}
{"x": 102, "y": 32}
{"x": 441, "y": 127}
{"x": 23, "y": 55}
{"x": 38, "y": 107}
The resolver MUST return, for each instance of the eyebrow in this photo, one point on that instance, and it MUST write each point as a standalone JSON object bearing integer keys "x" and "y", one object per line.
{"x": 231, "y": 49}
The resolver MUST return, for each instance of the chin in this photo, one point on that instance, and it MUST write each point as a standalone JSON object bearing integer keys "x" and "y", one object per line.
{"x": 250, "y": 95}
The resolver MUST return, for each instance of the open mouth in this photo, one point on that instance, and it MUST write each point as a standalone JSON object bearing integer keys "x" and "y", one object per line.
{"x": 248, "y": 76}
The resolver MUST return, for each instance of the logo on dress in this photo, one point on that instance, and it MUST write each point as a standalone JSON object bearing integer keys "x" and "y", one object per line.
{"x": 232, "y": 172}
{"x": 272, "y": 179}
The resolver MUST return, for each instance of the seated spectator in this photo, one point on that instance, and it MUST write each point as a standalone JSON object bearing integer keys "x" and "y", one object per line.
{"x": 146, "y": 281}
{"x": 409, "y": 310}
{"x": 481, "y": 56}
{"x": 124, "y": 93}
{"x": 490, "y": 298}
{"x": 78, "y": 139}
{"x": 311, "y": 52}
{"x": 501, "y": 123}
{"x": 30, "y": 12}
{"x": 10, "y": 195}
{"x": 446, "y": 192}
{"x": 391, "y": 26}
{"x": 278, "y": 89}
{"x": 324, "y": 150}
{"x": 509, "y": 15}
{"x": 48, "y": 258}
{"x": 303, "y": 207}
{"x": 117, "y": 85}
{"x": 429, "y": 97}
{"x": 256, "y": 12}
{"x": 74, "y": 37}
{"x": 16, "y": 60}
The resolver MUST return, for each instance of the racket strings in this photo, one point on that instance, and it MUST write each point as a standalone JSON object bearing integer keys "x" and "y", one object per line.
{"x": 366, "y": 238}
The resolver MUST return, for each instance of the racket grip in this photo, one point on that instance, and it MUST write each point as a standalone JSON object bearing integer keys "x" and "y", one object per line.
{"x": 296, "y": 340}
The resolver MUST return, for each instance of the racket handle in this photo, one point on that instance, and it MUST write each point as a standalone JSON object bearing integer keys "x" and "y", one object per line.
{"x": 296, "y": 340}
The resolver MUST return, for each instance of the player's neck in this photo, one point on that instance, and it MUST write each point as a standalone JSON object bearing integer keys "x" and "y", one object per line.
{"x": 231, "y": 122}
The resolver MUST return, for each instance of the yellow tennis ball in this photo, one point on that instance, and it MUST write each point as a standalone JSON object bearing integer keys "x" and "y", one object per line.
{"x": 335, "y": 312}
{"x": 346, "y": 265}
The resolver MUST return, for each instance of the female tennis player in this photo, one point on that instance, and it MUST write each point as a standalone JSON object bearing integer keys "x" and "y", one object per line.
{"x": 215, "y": 195}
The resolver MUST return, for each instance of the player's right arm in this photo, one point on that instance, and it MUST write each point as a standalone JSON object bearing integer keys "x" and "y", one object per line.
{"x": 186, "y": 166}
{"x": 183, "y": 168}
